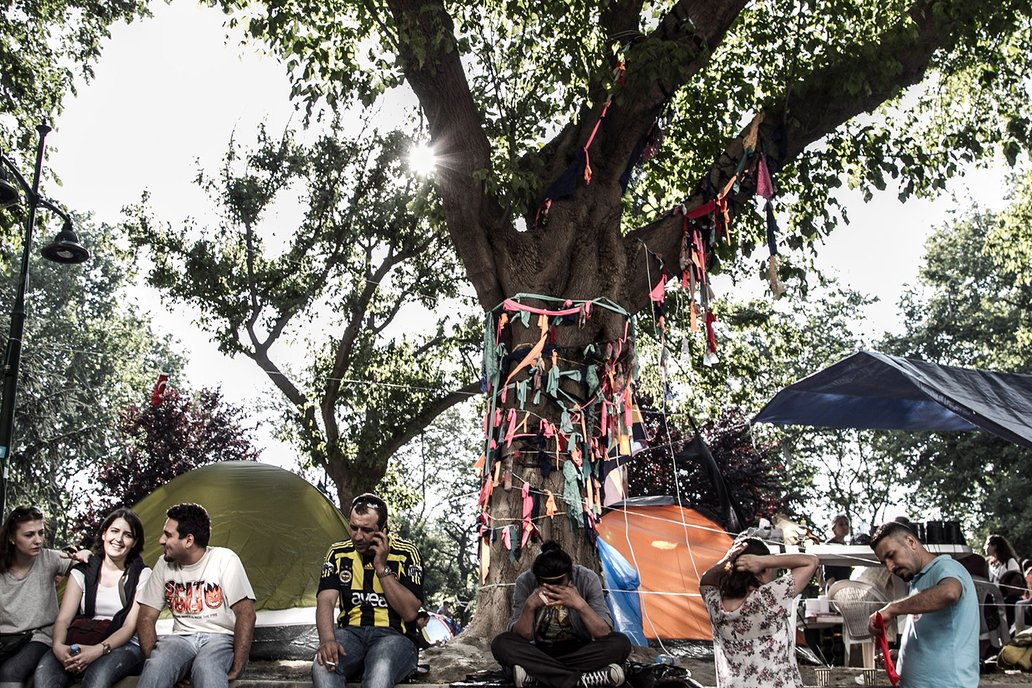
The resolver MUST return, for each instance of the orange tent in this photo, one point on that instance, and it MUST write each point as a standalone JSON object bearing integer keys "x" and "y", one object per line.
{"x": 671, "y": 547}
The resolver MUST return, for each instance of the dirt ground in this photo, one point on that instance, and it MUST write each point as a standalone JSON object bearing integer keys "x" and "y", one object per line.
{"x": 454, "y": 662}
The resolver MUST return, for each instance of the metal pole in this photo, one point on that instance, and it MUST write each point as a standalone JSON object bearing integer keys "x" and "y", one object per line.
{"x": 12, "y": 359}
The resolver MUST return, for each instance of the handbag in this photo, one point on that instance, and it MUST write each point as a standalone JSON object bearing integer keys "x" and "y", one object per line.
{"x": 11, "y": 643}
{"x": 87, "y": 631}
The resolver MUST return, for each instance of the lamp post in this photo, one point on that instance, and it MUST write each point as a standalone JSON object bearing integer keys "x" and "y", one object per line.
{"x": 64, "y": 249}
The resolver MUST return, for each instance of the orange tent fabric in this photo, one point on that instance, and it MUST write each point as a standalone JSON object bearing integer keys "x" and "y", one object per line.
{"x": 671, "y": 547}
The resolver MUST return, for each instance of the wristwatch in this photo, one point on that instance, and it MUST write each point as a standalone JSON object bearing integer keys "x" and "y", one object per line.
{"x": 107, "y": 648}
{"x": 384, "y": 573}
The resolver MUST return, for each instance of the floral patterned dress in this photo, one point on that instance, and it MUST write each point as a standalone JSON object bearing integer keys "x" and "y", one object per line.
{"x": 751, "y": 645}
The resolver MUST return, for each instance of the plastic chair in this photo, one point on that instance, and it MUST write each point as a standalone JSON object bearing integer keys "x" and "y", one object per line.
{"x": 993, "y": 619}
{"x": 856, "y": 601}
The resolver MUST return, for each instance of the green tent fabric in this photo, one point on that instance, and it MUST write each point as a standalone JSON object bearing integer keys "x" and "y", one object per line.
{"x": 278, "y": 524}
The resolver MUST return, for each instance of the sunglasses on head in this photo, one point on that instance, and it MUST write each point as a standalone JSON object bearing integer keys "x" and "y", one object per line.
{"x": 367, "y": 503}
{"x": 22, "y": 511}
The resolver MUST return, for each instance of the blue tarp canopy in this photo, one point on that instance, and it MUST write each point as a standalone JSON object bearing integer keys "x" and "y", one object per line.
{"x": 876, "y": 391}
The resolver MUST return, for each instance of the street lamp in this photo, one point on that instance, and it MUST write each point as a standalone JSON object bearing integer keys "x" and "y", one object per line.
{"x": 64, "y": 249}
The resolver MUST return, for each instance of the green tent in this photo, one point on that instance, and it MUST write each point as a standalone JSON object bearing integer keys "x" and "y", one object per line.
{"x": 278, "y": 524}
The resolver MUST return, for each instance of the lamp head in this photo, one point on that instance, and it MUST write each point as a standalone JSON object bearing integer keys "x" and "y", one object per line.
{"x": 9, "y": 194}
{"x": 65, "y": 248}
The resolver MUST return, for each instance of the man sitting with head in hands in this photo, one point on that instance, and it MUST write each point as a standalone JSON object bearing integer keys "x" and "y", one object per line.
{"x": 561, "y": 634}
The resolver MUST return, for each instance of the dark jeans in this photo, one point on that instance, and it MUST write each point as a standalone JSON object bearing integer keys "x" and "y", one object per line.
{"x": 560, "y": 667}
{"x": 17, "y": 669}
{"x": 125, "y": 660}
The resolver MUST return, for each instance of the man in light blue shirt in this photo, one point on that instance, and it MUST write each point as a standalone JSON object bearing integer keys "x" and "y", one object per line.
{"x": 940, "y": 641}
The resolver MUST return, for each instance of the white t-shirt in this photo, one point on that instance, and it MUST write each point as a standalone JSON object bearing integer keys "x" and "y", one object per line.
{"x": 199, "y": 595}
{"x": 109, "y": 601}
{"x": 998, "y": 568}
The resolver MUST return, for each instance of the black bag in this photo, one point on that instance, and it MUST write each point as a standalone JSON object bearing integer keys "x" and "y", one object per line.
{"x": 86, "y": 631}
{"x": 11, "y": 643}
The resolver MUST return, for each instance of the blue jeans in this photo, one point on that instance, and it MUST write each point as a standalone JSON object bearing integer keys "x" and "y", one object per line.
{"x": 382, "y": 656}
{"x": 205, "y": 657}
{"x": 17, "y": 669}
{"x": 108, "y": 670}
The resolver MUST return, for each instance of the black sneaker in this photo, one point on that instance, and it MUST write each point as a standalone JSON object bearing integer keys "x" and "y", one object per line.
{"x": 521, "y": 679}
{"x": 609, "y": 677}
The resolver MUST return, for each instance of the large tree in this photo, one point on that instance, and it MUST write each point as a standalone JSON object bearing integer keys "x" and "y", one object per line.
{"x": 351, "y": 284}
{"x": 537, "y": 112}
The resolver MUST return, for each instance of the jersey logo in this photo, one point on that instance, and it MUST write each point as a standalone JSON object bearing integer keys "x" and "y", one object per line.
{"x": 328, "y": 569}
{"x": 371, "y": 598}
{"x": 345, "y": 576}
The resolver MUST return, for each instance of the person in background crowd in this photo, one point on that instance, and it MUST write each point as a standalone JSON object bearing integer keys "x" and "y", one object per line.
{"x": 101, "y": 593}
{"x": 1012, "y": 585}
{"x": 992, "y": 634}
{"x": 749, "y": 610}
{"x": 28, "y": 599}
{"x": 840, "y": 530}
{"x": 1000, "y": 556}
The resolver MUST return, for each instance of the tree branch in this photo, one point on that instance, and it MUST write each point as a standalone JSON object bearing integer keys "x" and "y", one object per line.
{"x": 421, "y": 420}
{"x": 816, "y": 107}
{"x": 343, "y": 356}
{"x": 430, "y": 58}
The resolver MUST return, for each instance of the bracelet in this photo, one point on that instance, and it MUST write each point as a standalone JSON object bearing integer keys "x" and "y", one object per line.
{"x": 107, "y": 648}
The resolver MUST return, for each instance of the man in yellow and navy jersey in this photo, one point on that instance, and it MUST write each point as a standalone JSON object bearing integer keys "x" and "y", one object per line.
{"x": 378, "y": 581}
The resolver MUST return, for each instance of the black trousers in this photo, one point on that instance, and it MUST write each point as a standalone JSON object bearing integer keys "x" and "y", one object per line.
{"x": 560, "y": 667}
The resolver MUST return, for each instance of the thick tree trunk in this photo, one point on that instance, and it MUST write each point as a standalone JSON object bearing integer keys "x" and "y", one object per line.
{"x": 591, "y": 273}
{"x": 351, "y": 481}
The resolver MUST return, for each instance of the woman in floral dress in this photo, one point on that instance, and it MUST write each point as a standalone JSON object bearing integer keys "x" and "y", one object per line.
{"x": 749, "y": 610}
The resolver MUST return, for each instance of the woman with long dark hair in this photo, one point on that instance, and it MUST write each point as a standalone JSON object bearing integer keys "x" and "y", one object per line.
{"x": 1000, "y": 556}
{"x": 28, "y": 600}
{"x": 749, "y": 610}
{"x": 94, "y": 636}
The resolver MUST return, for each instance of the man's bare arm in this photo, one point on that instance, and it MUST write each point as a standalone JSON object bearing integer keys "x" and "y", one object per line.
{"x": 946, "y": 593}
{"x": 243, "y": 631}
{"x": 145, "y": 631}
{"x": 330, "y": 650}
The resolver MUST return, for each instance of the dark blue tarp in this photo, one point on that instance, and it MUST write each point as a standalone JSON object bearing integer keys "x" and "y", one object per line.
{"x": 876, "y": 391}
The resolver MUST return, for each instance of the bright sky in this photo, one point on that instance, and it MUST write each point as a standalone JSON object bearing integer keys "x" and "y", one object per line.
{"x": 170, "y": 91}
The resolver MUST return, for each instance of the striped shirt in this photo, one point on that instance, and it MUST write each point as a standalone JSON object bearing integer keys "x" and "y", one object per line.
{"x": 362, "y": 602}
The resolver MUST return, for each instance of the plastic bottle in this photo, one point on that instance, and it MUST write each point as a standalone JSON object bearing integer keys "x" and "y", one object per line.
{"x": 74, "y": 649}
{"x": 664, "y": 659}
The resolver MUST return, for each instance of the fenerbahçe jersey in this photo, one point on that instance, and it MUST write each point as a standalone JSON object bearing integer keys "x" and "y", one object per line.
{"x": 362, "y": 602}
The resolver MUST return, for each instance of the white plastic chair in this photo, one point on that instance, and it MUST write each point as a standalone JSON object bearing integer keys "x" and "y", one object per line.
{"x": 856, "y": 601}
